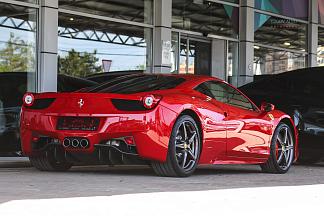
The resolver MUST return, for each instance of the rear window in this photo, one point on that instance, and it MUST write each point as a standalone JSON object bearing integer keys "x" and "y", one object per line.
{"x": 136, "y": 84}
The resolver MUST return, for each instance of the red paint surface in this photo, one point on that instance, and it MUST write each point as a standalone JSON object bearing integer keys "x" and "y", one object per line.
{"x": 240, "y": 136}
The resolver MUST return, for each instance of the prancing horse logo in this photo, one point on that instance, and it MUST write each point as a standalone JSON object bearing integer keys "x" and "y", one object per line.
{"x": 81, "y": 102}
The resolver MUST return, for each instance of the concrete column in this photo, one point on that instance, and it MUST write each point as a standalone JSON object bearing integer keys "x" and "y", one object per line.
{"x": 162, "y": 36}
{"x": 218, "y": 64}
{"x": 312, "y": 33}
{"x": 47, "y": 78}
{"x": 246, "y": 50}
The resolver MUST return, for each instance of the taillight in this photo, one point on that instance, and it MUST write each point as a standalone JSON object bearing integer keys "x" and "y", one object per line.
{"x": 150, "y": 100}
{"x": 28, "y": 99}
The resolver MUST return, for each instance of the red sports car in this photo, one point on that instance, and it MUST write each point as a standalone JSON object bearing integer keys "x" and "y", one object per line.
{"x": 171, "y": 122}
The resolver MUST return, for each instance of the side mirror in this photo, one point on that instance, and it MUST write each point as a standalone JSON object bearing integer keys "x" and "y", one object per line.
{"x": 267, "y": 107}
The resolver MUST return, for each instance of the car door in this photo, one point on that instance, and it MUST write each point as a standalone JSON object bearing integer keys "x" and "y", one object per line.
{"x": 214, "y": 132}
{"x": 247, "y": 129}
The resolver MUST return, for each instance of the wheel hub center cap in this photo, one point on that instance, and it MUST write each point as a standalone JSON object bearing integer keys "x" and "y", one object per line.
{"x": 185, "y": 145}
{"x": 283, "y": 148}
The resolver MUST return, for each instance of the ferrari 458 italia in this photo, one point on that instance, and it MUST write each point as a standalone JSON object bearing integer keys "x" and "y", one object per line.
{"x": 170, "y": 122}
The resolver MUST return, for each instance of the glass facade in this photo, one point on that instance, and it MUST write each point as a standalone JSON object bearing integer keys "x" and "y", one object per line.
{"x": 29, "y": 1}
{"x": 321, "y": 11}
{"x": 84, "y": 44}
{"x": 270, "y": 61}
{"x": 206, "y": 17}
{"x": 320, "y": 47}
{"x": 195, "y": 56}
{"x": 174, "y": 52}
{"x": 280, "y": 32}
{"x": 292, "y": 8}
{"x": 131, "y": 10}
{"x": 178, "y": 36}
{"x": 18, "y": 52}
{"x": 117, "y": 36}
{"x": 18, "y": 67}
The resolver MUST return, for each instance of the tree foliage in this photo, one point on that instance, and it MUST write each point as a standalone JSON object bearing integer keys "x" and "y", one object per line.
{"x": 17, "y": 55}
{"x": 78, "y": 64}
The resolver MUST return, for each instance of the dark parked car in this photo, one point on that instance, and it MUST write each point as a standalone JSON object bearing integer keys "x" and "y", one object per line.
{"x": 101, "y": 77}
{"x": 300, "y": 94}
{"x": 13, "y": 86}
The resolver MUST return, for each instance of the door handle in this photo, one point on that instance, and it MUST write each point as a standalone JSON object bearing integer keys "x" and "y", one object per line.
{"x": 225, "y": 114}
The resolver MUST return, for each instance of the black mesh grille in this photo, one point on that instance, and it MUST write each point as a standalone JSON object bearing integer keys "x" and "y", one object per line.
{"x": 41, "y": 103}
{"x": 128, "y": 105}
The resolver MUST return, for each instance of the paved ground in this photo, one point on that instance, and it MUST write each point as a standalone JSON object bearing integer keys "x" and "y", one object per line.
{"x": 85, "y": 187}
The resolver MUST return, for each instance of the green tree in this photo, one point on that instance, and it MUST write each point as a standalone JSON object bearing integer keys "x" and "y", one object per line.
{"x": 17, "y": 55}
{"x": 78, "y": 64}
{"x": 140, "y": 67}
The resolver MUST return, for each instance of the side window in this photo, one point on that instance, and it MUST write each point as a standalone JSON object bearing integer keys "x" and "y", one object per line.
{"x": 204, "y": 90}
{"x": 218, "y": 91}
{"x": 229, "y": 95}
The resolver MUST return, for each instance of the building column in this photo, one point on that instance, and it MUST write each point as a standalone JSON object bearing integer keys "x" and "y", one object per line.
{"x": 47, "y": 76}
{"x": 162, "y": 36}
{"x": 312, "y": 33}
{"x": 218, "y": 59}
{"x": 246, "y": 50}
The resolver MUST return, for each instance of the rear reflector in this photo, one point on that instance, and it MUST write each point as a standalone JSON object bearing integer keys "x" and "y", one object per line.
{"x": 35, "y": 137}
{"x": 129, "y": 140}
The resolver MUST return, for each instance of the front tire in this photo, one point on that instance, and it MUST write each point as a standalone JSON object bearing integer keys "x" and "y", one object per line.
{"x": 43, "y": 164}
{"x": 183, "y": 151}
{"x": 282, "y": 149}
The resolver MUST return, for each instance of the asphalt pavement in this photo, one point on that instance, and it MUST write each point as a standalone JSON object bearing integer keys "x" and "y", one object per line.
{"x": 136, "y": 190}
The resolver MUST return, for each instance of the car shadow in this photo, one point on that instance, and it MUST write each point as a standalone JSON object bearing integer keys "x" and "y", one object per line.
{"x": 143, "y": 170}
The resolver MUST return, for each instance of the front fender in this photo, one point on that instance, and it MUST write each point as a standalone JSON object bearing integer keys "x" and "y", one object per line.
{"x": 282, "y": 117}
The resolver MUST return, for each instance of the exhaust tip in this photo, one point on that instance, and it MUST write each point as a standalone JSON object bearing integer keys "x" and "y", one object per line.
{"x": 66, "y": 142}
{"x": 84, "y": 143}
{"x": 75, "y": 143}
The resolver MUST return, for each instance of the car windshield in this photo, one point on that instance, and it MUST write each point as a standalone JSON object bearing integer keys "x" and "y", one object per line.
{"x": 136, "y": 84}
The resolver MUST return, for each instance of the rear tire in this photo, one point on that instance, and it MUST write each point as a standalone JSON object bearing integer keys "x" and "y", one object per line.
{"x": 43, "y": 164}
{"x": 183, "y": 151}
{"x": 282, "y": 150}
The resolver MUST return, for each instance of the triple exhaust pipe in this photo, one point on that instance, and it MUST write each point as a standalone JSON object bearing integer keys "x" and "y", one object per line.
{"x": 75, "y": 142}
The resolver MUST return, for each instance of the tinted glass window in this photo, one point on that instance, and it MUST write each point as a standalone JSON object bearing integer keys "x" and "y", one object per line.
{"x": 226, "y": 94}
{"x": 70, "y": 84}
{"x": 308, "y": 82}
{"x": 136, "y": 84}
{"x": 204, "y": 90}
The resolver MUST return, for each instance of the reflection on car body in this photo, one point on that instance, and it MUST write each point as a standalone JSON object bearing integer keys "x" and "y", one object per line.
{"x": 172, "y": 122}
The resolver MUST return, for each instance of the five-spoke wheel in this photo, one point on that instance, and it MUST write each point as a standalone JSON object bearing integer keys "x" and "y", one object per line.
{"x": 282, "y": 150}
{"x": 184, "y": 149}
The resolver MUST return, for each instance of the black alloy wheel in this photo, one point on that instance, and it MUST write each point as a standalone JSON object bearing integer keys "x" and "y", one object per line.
{"x": 282, "y": 149}
{"x": 184, "y": 149}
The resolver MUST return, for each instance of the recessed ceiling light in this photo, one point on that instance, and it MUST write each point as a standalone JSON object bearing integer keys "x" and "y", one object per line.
{"x": 287, "y": 44}
{"x": 71, "y": 19}
{"x": 256, "y": 47}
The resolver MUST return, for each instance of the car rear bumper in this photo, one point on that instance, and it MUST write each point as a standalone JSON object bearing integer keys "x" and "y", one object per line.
{"x": 150, "y": 131}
